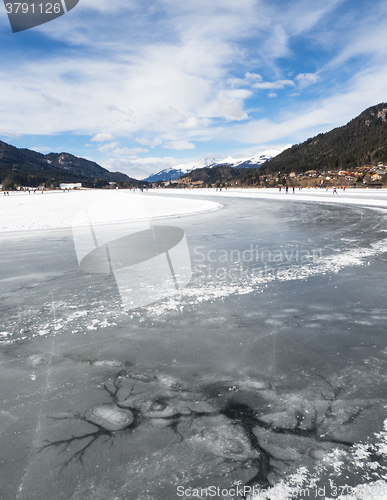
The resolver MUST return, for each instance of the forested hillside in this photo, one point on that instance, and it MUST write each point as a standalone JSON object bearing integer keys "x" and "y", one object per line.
{"x": 363, "y": 140}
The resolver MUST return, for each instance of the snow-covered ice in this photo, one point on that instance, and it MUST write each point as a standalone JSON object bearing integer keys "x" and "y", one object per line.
{"x": 22, "y": 211}
{"x": 358, "y": 197}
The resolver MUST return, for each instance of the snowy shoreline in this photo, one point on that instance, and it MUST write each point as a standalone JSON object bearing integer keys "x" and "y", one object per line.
{"x": 363, "y": 197}
{"x": 54, "y": 209}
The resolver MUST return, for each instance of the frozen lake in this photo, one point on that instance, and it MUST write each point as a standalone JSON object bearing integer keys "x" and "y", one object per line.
{"x": 267, "y": 371}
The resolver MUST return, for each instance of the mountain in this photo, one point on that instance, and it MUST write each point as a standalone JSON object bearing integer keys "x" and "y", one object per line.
{"x": 173, "y": 173}
{"x": 178, "y": 171}
{"x": 210, "y": 175}
{"x": 82, "y": 167}
{"x": 251, "y": 161}
{"x": 30, "y": 168}
{"x": 361, "y": 141}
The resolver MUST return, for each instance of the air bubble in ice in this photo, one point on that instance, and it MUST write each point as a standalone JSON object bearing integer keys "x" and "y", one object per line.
{"x": 158, "y": 408}
{"x": 110, "y": 417}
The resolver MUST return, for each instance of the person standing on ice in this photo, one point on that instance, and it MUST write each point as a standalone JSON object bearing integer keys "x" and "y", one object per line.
{"x": 334, "y": 190}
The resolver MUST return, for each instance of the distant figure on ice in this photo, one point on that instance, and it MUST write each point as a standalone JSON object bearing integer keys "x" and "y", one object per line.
{"x": 286, "y": 189}
{"x": 334, "y": 190}
{"x": 279, "y": 188}
{"x": 293, "y": 189}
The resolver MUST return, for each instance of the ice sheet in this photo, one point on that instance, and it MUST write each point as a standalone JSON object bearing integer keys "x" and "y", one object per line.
{"x": 22, "y": 211}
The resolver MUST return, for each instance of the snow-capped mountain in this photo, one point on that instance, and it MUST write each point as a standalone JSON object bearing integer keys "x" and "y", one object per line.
{"x": 251, "y": 161}
{"x": 177, "y": 171}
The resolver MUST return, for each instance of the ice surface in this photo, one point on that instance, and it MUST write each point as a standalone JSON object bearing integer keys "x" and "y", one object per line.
{"x": 355, "y": 197}
{"x": 275, "y": 380}
{"x": 22, "y": 211}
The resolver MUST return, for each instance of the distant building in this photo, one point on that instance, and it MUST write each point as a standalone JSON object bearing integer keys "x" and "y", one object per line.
{"x": 74, "y": 185}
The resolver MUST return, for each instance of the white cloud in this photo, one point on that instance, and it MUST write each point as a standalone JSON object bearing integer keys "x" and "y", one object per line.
{"x": 229, "y": 108}
{"x": 255, "y": 81}
{"x": 253, "y": 76}
{"x": 192, "y": 122}
{"x": 107, "y": 147}
{"x": 118, "y": 152}
{"x": 52, "y": 100}
{"x": 298, "y": 122}
{"x": 279, "y": 84}
{"x": 104, "y": 137}
{"x": 9, "y": 134}
{"x": 174, "y": 71}
{"x": 107, "y": 7}
{"x": 147, "y": 142}
{"x": 175, "y": 75}
{"x": 179, "y": 145}
{"x": 306, "y": 79}
{"x": 247, "y": 81}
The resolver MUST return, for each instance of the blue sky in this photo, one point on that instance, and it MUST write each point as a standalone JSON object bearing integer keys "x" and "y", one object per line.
{"x": 141, "y": 85}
